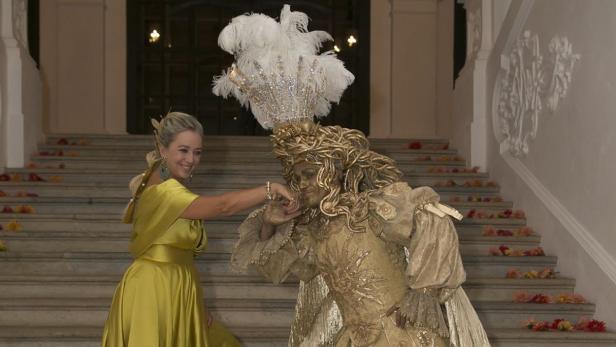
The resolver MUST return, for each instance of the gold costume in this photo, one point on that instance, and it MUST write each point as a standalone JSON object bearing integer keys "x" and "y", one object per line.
{"x": 159, "y": 301}
{"x": 351, "y": 279}
{"x": 370, "y": 243}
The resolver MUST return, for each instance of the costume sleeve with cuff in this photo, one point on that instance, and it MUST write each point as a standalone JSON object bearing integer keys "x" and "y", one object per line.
{"x": 415, "y": 219}
{"x": 277, "y": 257}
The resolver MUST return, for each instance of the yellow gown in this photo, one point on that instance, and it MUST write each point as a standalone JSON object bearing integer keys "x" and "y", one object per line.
{"x": 159, "y": 301}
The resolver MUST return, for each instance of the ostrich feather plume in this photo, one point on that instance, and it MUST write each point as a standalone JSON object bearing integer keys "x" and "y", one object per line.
{"x": 278, "y": 71}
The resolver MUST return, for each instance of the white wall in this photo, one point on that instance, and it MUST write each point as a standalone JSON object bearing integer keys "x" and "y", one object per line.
{"x": 20, "y": 89}
{"x": 83, "y": 65}
{"x": 565, "y": 182}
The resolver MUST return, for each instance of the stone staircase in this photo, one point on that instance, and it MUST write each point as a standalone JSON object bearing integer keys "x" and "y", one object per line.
{"x": 60, "y": 270}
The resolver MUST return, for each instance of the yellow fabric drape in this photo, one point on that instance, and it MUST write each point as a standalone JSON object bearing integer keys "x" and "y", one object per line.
{"x": 159, "y": 301}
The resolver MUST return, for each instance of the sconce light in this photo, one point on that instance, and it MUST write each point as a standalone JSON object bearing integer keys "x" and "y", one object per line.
{"x": 351, "y": 40}
{"x": 154, "y": 36}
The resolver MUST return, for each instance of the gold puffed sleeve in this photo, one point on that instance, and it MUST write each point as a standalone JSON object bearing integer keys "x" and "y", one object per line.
{"x": 415, "y": 219}
{"x": 283, "y": 254}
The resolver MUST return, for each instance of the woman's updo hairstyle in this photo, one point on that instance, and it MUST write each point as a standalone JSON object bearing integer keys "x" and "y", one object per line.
{"x": 165, "y": 132}
{"x": 167, "y": 129}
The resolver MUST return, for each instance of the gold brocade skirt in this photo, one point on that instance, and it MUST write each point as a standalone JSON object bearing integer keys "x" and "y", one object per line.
{"x": 159, "y": 302}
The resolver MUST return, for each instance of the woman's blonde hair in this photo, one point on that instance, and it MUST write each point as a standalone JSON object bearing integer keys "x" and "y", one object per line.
{"x": 165, "y": 132}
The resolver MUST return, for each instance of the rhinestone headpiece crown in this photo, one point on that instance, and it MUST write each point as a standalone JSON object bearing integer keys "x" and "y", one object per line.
{"x": 281, "y": 96}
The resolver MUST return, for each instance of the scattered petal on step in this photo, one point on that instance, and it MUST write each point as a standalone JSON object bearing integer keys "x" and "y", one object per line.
{"x": 55, "y": 179}
{"x": 62, "y": 142}
{"x": 25, "y": 209}
{"x": 512, "y": 252}
{"x": 415, "y": 145}
{"x": 13, "y": 226}
{"x": 7, "y": 209}
{"x": 568, "y": 298}
{"x": 2, "y": 194}
{"x": 3, "y": 247}
{"x": 35, "y": 178}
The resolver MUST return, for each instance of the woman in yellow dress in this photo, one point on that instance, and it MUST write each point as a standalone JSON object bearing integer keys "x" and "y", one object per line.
{"x": 159, "y": 301}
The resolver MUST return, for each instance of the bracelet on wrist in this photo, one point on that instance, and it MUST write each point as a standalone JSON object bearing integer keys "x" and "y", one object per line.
{"x": 268, "y": 191}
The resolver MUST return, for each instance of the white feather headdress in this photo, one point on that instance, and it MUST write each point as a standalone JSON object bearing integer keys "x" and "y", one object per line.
{"x": 278, "y": 72}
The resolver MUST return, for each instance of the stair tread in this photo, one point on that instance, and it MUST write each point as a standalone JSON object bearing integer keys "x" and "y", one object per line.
{"x": 97, "y": 303}
{"x": 238, "y": 278}
{"x": 95, "y": 332}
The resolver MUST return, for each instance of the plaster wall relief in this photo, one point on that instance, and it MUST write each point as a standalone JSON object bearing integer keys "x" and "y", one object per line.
{"x": 563, "y": 58}
{"x": 473, "y": 33}
{"x": 522, "y": 89}
{"x": 20, "y": 22}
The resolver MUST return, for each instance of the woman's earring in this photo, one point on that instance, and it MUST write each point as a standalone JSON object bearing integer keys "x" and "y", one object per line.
{"x": 190, "y": 177}
{"x": 164, "y": 170}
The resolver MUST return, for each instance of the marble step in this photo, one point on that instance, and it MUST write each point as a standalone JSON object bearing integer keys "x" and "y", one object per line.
{"x": 201, "y": 171}
{"x": 272, "y": 313}
{"x": 122, "y": 178}
{"x": 90, "y": 336}
{"x": 257, "y": 313}
{"x": 216, "y": 149}
{"x": 60, "y": 208}
{"x": 523, "y": 337}
{"x": 90, "y": 224}
{"x": 82, "y": 190}
{"x": 223, "y": 225}
{"x": 214, "y": 264}
{"x": 212, "y": 140}
{"x": 247, "y": 286}
{"x": 24, "y": 242}
{"x": 227, "y": 155}
{"x": 228, "y": 183}
{"x": 263, "y": 166}
{"x": 45, "y": 204}
{"x": 84, "y": 336}
{"x": 215, "y": 230}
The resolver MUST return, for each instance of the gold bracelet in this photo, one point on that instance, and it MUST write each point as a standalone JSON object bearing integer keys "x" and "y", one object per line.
{"x": 268, "y": 191}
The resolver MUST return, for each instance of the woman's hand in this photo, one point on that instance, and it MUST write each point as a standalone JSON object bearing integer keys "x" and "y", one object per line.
{"x": 290, "y": 203}
{"x": 276, "y": 213}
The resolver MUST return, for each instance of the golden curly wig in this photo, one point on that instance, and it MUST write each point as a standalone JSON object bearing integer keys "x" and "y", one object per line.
{"x": 339, "y": 153}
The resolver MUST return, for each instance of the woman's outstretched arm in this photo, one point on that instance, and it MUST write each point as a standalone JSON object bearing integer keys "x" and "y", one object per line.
{"x": 228, "y": 204}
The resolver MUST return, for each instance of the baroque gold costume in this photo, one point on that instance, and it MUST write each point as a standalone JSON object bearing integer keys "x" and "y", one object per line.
{"x": 366, "y": 273}
{"x": 159, "y": 301}
{"x": 366, "y": 244}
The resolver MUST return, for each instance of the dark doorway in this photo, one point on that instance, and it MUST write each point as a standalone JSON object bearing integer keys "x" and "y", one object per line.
{"x": 173, "y": 56}
{"x": 459, "y": 39}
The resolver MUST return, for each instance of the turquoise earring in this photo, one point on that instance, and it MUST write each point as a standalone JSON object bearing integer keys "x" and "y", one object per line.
{"x": 164, "y": 170}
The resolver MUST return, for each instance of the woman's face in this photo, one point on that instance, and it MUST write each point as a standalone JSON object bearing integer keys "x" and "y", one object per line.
{"x": 305, "y": 174}
{"x": 183, "y": 154}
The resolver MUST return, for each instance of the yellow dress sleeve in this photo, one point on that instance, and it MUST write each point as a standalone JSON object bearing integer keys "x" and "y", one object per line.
{"x": 157, "y": 209}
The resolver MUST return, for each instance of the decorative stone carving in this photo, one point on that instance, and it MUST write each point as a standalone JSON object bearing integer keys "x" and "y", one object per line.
{"x": 473, "y": 33}
{"x": 563, "y": 60}
{"x": 521, "y": 85}
{"x": 521, "y": 88}
{"x": 20, "y": 22}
